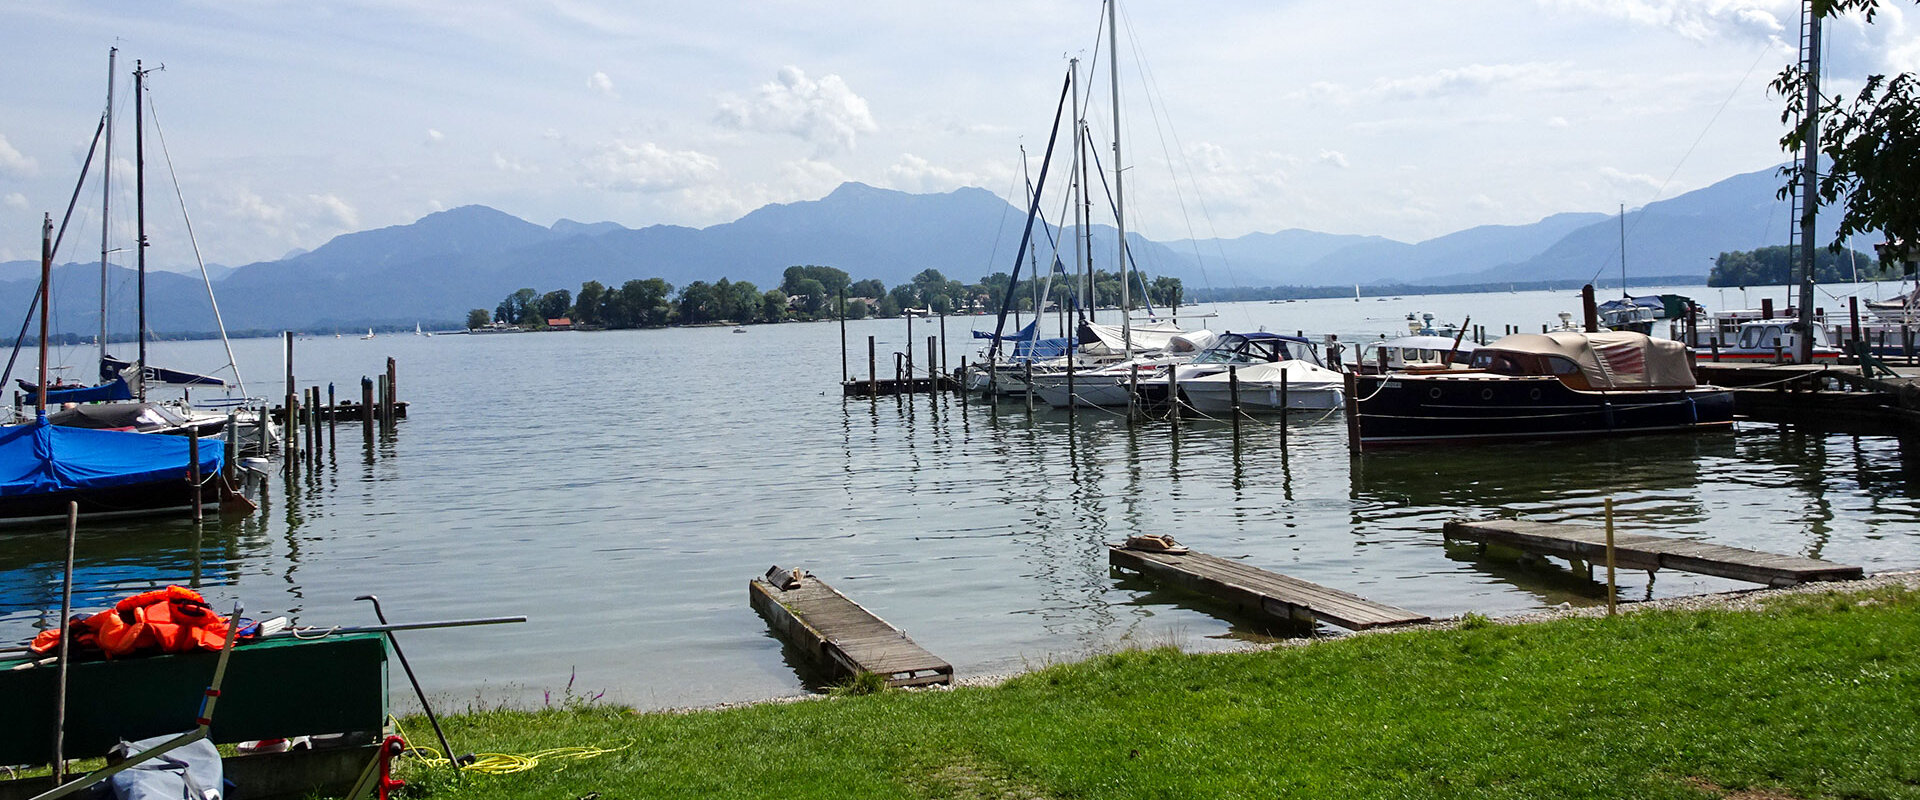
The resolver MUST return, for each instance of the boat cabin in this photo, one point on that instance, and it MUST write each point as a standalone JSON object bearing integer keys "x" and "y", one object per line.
{"x": 1419, "y": 352}
{"x": 1603, "y": 361}
{"x": 1259, "y": 347}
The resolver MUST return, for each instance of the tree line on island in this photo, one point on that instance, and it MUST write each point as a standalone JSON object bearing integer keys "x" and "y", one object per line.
{"x": 806, "y": 293}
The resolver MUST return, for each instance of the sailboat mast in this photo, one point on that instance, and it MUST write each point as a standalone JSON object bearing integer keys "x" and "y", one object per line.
{"x": 140, "y": 217}
{"x": 46, "y": 277}
{"x": 1119, "y": 197}
{"x": 1078, "y": 170}
{"x": 1623, "y": 249}
{"x": 106, "y": 204}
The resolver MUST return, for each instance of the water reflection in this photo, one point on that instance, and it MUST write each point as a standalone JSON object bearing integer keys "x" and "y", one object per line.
{"x": 113, "y": 560}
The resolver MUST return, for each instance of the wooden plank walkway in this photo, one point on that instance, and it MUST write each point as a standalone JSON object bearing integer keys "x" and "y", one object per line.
{"x": 1257, "y": 590}
{"x": 1646, "y": 551}
{"x": 843, "y": 637}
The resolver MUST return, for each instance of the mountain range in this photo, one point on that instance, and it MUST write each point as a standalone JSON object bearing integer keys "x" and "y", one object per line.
{"x": 436, "y": 268}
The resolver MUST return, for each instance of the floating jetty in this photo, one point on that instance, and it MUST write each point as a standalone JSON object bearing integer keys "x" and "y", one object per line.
{"x": 1588, "y": 544}
{"x": 1271, "y": 594}
{"x": 839, "y": 634}
{"x": 887, "y": 387}
{"x": 1878, "y": 399}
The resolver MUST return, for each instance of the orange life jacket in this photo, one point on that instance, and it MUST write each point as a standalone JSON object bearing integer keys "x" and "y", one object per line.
{"x": 171, "y": 620}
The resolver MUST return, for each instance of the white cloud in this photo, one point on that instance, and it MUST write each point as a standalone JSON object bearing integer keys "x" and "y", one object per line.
{"x": 12, "y": 163}
{"x": 1478, "y": 78}
{"x": 15, "y": 200}
{"x": 599, "y": 82}
{"x": 434, "y": 137}
{"x": 1692, "y": 19}
{"x": 825, "y": 113}
{"x": 1619, "y": 178}
{"x": 915, "y": 174}
{"x": 514, "y": 165}
{"x": 647, "y": 168}
{"x": 1558, "y": 122}
{"x": 336, "y": 211}
{"x": 1333, "y": 157}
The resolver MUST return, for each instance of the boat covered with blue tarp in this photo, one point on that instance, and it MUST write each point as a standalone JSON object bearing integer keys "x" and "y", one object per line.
{"x": 43, "y": 466}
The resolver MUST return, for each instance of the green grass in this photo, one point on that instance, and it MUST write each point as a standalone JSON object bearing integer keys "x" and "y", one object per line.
{"x": 1818, "y": 696}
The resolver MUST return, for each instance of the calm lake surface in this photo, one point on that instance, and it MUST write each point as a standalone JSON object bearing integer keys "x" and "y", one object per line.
{"x": 620, "y": 488}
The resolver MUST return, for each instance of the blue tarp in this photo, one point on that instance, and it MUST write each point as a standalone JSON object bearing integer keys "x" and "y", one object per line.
{"x": 117, "y": 390}
{"x": 41, "y": 458}
{"x": 1025, "y": 333}
{"x": 1043, "y": 349}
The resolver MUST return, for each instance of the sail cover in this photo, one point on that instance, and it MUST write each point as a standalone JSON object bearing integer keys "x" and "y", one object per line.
{"x": 114, "y": 390}
{"x": 41, "y": 458}
{"x": 111, "y": 368}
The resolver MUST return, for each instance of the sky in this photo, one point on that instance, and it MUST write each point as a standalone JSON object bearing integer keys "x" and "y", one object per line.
{"x": 286, "y": 123}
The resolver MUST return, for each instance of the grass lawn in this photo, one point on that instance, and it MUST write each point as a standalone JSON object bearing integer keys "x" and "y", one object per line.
{"x": 1817, "y": 695}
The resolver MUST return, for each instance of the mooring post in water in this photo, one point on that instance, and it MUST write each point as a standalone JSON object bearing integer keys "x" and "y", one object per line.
{"x": 843, "y": 337}
{"x": 1173, "y": 399}
{"x": 961, "y": 384}
{"x": 292, "y": 429}
{"x": 265, "y": 424}
{"x": 1233, "y": 397}
{"x": 290, "y": 446}
{"x": 1590, "y": 314}
{"x": 313, "y": 425}
{"x": 1853, "y": 322}
{"x": 1133, "y": 393}
{"x": 1353, "y": 413}
{"x": 1071, "y": 368}
{"x": 193, "y": 471}
{"x": 231, "y": 448}
{"x": 393, "y": 393}
{"x": 1611, "y": 586}
{"x": 943, "y": 344}
{"x": 366, "y": 407}
{"x": 873, "y": 374}
{"x": 333, "y": 418}
{"x": 933, "y": 365}
{"x": 896, "y": 372}
{"x": 1284, "y": 409}
{"x": 380, "y": 401}
{"x": 1026, "y": 376}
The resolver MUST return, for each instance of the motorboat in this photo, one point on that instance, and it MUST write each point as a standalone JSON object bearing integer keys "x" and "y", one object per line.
{"x": 1534, "y": 385}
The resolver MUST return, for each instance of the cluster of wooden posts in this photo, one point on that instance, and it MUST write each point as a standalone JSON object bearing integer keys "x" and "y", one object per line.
{"x": 305, "y": 412}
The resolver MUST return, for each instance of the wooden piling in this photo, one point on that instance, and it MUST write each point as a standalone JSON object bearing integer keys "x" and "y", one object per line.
{"x": 366, "y": 407}
{"x": 1233, "y": 397}
{"x": 393, "y": 391}
{"x": 1283, "y": 408}
{"x": 873, "y": 374}
{"x": 1026, "y": 376}
{"x": 843, "y": 336}
{"x": 1173, "y": 398}
{"x": 231, "y": 456}
{"x": 333, "y": 419}
{"x": 1353, "y": 413}
{"x": 193, "y": 471}
{"x": 961, "y": 384}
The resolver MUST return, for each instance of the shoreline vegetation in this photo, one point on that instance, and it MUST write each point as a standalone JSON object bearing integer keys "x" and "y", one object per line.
{"x": 1811, "y": 691}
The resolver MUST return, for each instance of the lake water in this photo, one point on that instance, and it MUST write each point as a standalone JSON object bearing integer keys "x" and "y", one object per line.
{"x": 620, "y": 488}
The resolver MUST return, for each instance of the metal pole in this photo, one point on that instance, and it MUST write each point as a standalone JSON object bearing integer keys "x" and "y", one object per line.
{"x": 1810, "y": 179}
{"x": 193, "y": 471}
{"x": 424, "y": 705}
{"x": 66, "y": 642}
{"x": 1611, "y": 585}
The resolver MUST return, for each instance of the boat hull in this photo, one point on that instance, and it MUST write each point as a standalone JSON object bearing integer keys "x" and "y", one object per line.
{"x": 1408, "y": 409}
{"x": 1208, "y": 398}
{"x": 153, "y": 498}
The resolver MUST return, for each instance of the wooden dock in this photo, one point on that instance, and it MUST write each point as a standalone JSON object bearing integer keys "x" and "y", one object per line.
{"x": 1645, "y": 551}
{"x": 1829, "y": 396}
{"x": 886, "y": 387}
{"x": 1256, "y": 590}
{"x": 342, "y": 411}
{"x": 843, "y": 637}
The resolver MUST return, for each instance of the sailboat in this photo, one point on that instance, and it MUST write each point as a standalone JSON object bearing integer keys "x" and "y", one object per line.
{"x": 1108, "y": 385}
{"x": 369, "y": 334}
{"x": 45, "y": 467}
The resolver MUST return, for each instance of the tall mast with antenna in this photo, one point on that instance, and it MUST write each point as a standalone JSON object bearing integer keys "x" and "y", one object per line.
{"x": 140, "y": 216}
{"x": 106, "y": 204}
{"x": 1119, "y": 197}
{"x": 1078, "y": 169}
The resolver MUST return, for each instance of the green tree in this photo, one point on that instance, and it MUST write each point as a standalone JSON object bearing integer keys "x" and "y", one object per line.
{"x": 742, "y": 300}
{"x": 867, "y": 288}
{"x": 1870, "y": 143}
{"x": 834, "y": 280}
{"x": 1772, "y": 266}
{"x": 857, "y": 309}
{"x": 1165, "y": 291}
{"x": 696, "y": 303}
{"x": 586, "y": 305}
{"x": 889, "y": 307}
{"x": 904, "y": 297}
{"x": 554, "y": 304}
{"x": 773, "y": 305}
{"x": 812, "y": 294}
{"x": 513, "y": 310}
{"x": 478, "y": 318}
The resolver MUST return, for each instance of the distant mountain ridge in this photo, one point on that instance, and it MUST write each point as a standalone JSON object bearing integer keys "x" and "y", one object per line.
{"x": 436, "y": 268}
